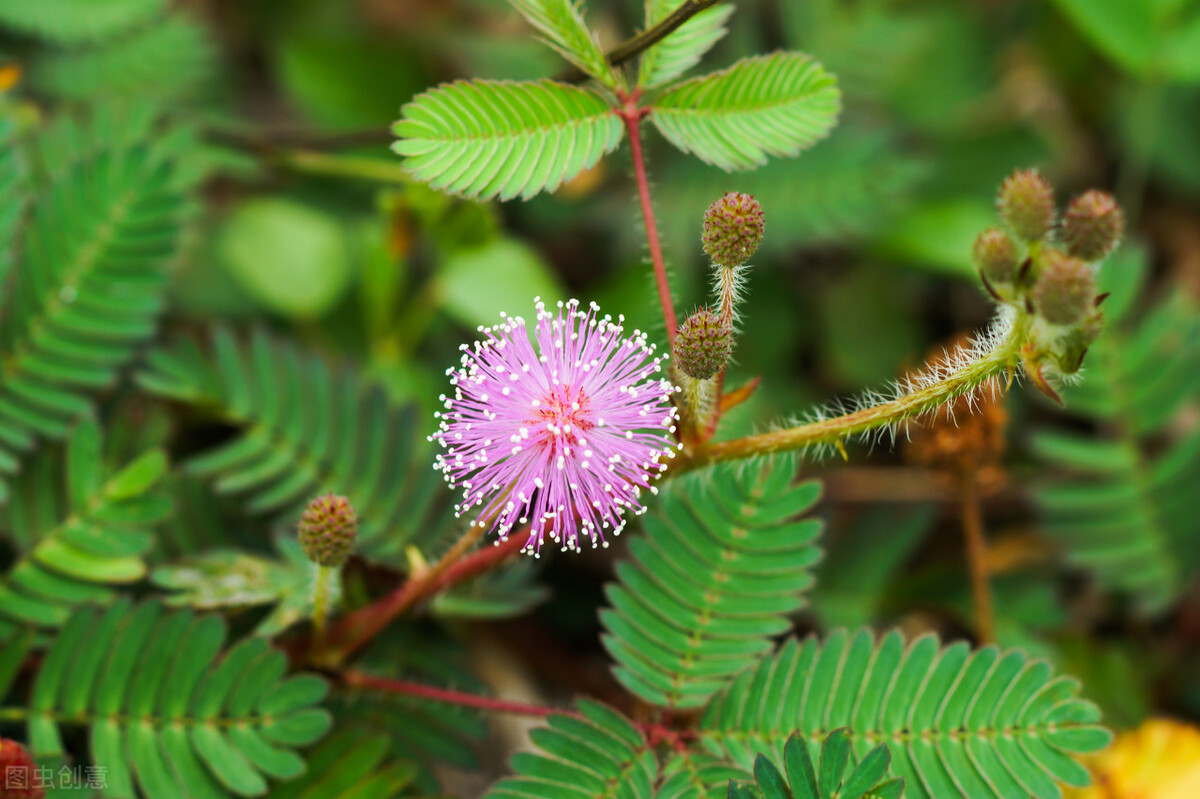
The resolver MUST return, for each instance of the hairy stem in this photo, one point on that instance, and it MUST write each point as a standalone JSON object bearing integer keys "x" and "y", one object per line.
{"x": 632, "y": 117}
{"x": 972, "y": 522}
{"x": 1000, "y": 359}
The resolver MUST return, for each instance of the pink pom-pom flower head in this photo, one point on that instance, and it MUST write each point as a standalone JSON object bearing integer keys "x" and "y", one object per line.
{"x": 561, "y": 433}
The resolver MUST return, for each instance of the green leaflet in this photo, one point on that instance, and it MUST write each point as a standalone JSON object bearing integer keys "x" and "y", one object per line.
{"x": 959, "y": 724}
{"x": 831, "y": 777}
{"x": 1123, "y": 511}
{"x": 89, "y": 283}
{"x": 499, "y": 138}
{"x": 561, "y": 22}
{"x": 595, "y": 753}
{"x": 306, "y": 428}
{"x": 719, "y": 570}
{"x": 683, "y": 48}
{"x": 77, "y": 540}
{"x": 350, "y": 765}
{"x": 72, "y": 21}
{"x": 776, "y": 104}
{"x": 166, "y": 710}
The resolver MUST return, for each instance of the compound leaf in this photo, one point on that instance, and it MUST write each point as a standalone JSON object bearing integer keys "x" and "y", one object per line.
{"x": 166, "y": 711}
{"x": 959, "y": 724}
{"x": 718, "y": 572}
{"x": 595, "y": 753}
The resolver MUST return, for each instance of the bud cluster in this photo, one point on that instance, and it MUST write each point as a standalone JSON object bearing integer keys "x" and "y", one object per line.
{"x": 1047, "y": 271}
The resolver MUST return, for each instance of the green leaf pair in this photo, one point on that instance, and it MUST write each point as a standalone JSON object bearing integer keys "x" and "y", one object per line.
{"x": 503, "y": 139}
{"x": 829, "y": 781}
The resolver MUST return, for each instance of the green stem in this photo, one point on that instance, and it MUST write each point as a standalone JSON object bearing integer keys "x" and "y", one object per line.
{"x": 341, "y": 166}
{"x": 321, "y": 604}
{"x": 641, "y": 42}
{"x": 1000, "y": 360}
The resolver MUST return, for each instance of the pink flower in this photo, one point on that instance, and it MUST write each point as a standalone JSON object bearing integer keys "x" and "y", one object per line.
{"x": 563, "y": 436}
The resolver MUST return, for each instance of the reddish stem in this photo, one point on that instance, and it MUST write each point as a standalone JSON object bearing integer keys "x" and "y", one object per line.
{"x": 357, "y": 629}
{"x": 361, "y": 680}
{"x": 632, "y": 117}
{"x": 655, "y": 733}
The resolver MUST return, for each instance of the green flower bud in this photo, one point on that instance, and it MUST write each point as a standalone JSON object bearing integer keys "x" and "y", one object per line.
{"x": 733, "y": 229}
{"x": 1065, "y": 290}
{"x": 1075, "y": 343}
{"x": 1093, "y": 225}
{"x": 18, "y": 773}
{"x": 1026, "y": 204}
{"x": 328, "y": 530}
{"x": 996, "y": 256}
{"x": 703, "y": 344}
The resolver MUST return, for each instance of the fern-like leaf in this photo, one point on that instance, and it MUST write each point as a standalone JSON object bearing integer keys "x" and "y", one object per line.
{"x": 72, "y": 21}
{"x": 561, "y": 22}
{"x": 720, "y": 568}
{"x": 166, "y": 710}
{"x": 88, "y": 288}
{"x": 683, "y": 48}
{"x": 77, "y": 536}
{"x": 1123, "y": 510}
{"x": 776, "y": 104}
{"x": 595, "y": 753}
{"x": 499, "y": 138}
{"x": 306, "y": 428}
{"x": 171, "y": 59}
{"x": 960, "y": 725}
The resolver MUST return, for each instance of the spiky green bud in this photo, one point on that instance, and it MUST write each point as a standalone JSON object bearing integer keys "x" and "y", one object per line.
{"x": 1065, "y": 290}
{"x": 996, "y": 256}
{"x": 1026, "y": 204}
{"x": 18, "y": 773}
{"x": 328, "y": 530}
{"x": 733, "y": 229}
{"x": 703, "y": 345}
{"x": 1093, "y": 225}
